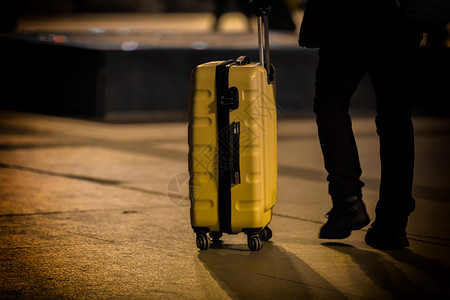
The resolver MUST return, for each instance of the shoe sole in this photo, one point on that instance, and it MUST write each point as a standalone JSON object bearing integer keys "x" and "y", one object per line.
{"x": 388, "y": 247}
{"x": 346, "y": 234}
{"x": 384, "y": 245}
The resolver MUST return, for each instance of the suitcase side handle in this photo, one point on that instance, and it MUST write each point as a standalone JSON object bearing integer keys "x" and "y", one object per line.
{"x": 235, "y": 132}
{"x": 242, "y": 60}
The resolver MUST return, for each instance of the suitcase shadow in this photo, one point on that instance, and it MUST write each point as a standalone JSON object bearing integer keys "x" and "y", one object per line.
{"x": 269, "y": 273}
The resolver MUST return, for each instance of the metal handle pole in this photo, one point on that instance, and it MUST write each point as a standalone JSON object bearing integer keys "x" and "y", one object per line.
{"x": 266, "y": 43}
{"x": 263, "y": 43}
{"x": 260, "y": 41}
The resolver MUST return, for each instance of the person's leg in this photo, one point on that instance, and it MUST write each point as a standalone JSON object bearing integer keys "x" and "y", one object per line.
{"x": 396, "y": 135}
{"x": 392, "y": 82}
{"x": 244, "y": 8}
{"x": 220, "y": 9}
{"x": 338, "y": 75}
{"x": 339, "y": 72}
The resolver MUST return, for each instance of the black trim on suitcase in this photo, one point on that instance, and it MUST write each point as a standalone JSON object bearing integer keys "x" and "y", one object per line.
{"x": 228, "y": 136}
{"x": 235, "y": 132}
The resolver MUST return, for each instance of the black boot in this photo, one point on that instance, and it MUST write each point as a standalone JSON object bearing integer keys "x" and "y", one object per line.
{"x": 388, "y": 235}
{"x": 347, "y": 215}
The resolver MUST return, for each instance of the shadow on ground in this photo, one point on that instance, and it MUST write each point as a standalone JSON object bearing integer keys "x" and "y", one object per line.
{"x": 389, "y": 277}
{"x": 266, "y": 274}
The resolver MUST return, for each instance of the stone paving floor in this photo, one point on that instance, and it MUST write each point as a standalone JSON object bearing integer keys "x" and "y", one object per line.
{"x": 92, "y": 210}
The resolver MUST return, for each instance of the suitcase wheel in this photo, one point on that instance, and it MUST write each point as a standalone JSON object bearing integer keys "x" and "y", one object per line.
{"x": 203, "y": 241}
{"x": 215, "y": 235}
{"x": 254, "y": 242}
{"x": 265, "y": 234}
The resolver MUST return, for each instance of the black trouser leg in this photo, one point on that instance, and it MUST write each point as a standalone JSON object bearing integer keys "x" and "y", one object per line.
{"x": 396, "y": 135}
{"x": 337, "y": 77}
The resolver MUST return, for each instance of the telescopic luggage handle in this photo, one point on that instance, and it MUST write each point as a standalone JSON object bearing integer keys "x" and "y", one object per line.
{"x": 263, "y": 45}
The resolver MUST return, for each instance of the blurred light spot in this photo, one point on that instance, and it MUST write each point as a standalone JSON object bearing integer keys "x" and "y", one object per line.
{"x": 59, "y": 38}
{"x": 129, "y": 46}
{"x": 200, "y": 45}
{"x": 123, "y": 31}
{"x": 97, "y": 30}
{"x": 164, "y": 32}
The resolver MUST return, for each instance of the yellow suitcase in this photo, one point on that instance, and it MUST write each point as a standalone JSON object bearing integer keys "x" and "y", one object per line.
{"x": 232, "y": 137}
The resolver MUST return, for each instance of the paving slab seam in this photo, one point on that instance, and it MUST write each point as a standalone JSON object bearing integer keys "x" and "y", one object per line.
{"x": 439, "y": 194}
{"x": 102, "y": 181}
{"x": 297, "y": 218}
{"x": 427, "y": 242}
{"x": 411, "y": 236}
{"x": 79, "y": 234}
{"x": 119, "y": 184}
{"x": 312, "y": 285}
{"x": 124, "y": 211}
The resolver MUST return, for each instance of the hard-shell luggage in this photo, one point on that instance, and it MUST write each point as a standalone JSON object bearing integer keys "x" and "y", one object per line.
{"x": 233, "y": 147}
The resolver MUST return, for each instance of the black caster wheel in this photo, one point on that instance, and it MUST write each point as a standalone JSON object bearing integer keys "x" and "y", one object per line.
{"x": 215, "y": 235}
{"x": 254, "y": 242}
{"x": 203, "y": 242}
{"x": 265, "y": 234}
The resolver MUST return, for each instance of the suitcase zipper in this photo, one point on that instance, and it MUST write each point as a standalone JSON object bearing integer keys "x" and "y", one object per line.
{"x": 228, "y": 136}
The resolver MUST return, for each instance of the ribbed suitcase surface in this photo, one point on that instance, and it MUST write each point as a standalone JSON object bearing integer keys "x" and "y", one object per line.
{"x": 232, "y": 165}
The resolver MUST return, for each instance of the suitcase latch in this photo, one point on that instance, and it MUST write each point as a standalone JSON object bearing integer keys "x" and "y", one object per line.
{"x": 230, "y": 98}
